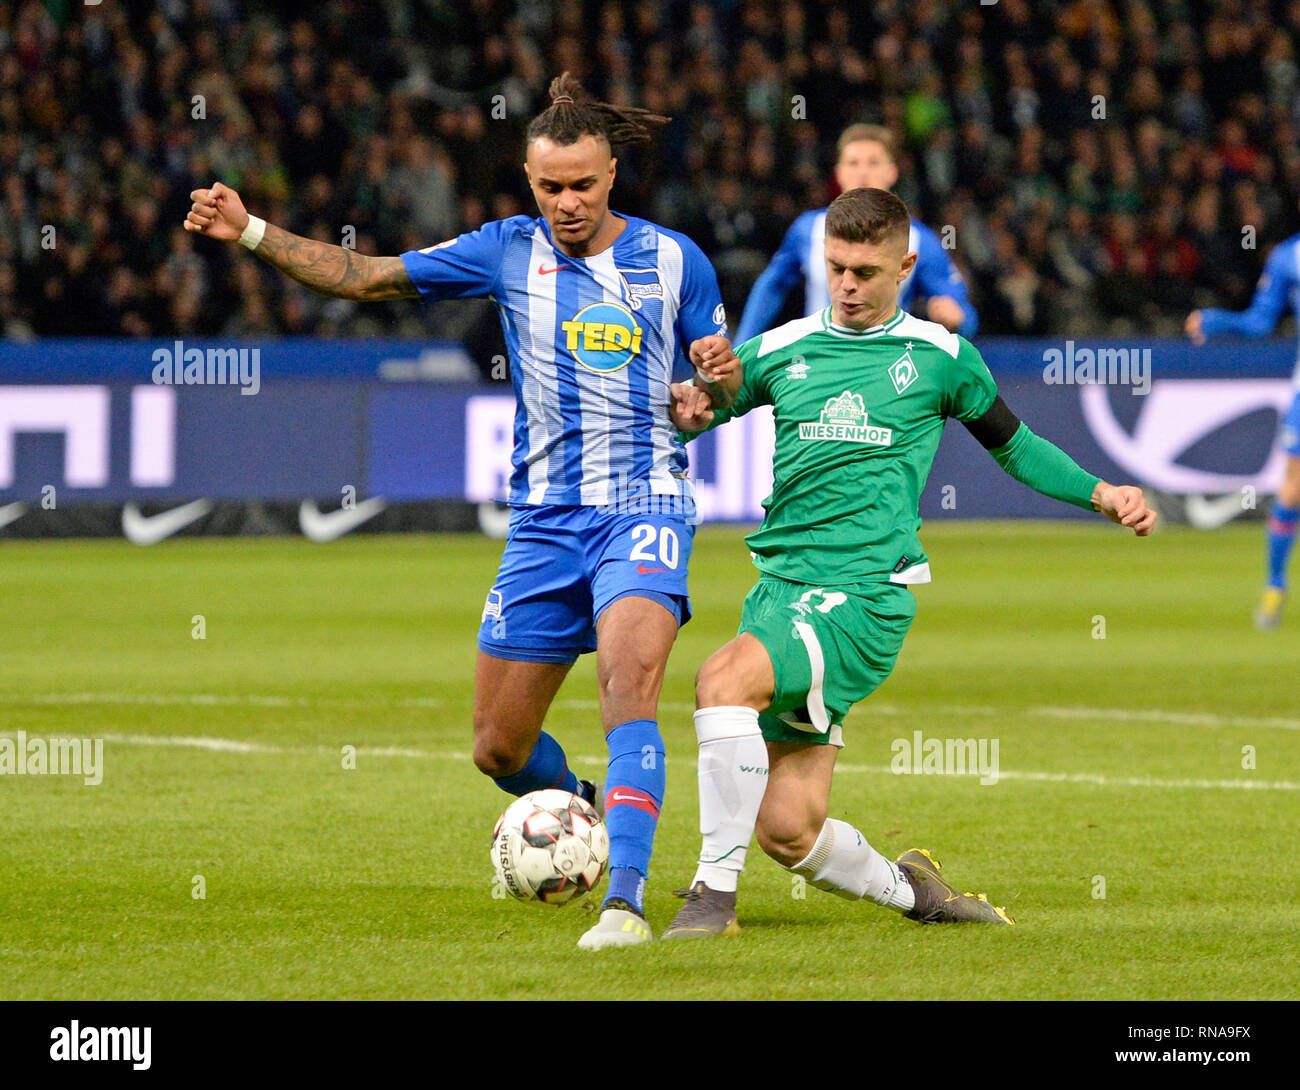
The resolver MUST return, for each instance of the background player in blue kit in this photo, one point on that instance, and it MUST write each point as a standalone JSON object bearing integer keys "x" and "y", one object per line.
{"x": 1279, "y": 286}
{"x": 599, "y": 310}
{"x": 866, "y": 159}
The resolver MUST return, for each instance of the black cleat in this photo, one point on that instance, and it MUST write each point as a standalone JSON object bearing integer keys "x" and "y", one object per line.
{"x": 594, "y": 793}
{"x": 937, "y": 901}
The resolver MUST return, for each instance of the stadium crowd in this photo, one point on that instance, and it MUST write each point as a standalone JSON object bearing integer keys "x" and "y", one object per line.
{"x": 1105, "y": 165}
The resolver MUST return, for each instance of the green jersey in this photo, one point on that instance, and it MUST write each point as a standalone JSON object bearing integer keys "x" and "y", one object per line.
{"x": 859, "y": 415}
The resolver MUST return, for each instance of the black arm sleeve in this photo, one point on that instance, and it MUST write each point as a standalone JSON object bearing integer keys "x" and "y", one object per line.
{"x": 996, "y": 427}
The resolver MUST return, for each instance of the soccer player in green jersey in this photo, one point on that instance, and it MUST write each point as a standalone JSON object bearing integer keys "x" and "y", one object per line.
{"x": 860, "y": 393}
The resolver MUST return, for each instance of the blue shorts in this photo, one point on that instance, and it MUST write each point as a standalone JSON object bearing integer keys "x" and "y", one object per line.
{"x": 563, "y": 566}
{"x": 1291, "y": 428}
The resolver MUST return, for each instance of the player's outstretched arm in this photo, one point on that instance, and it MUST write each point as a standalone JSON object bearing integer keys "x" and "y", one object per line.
{"x": 324, "y": 268}
{"x": 1047, "y": 469}
{"x": 1272, "y": 294}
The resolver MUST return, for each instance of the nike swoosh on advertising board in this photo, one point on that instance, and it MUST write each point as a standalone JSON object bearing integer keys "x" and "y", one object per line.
{"x": 11, "y": 512}
{"x": 1175, "y": 416}
{"x": 1211, "y": 512}
{"x": 150, "y": 529}
{"x": 323, "y": 526}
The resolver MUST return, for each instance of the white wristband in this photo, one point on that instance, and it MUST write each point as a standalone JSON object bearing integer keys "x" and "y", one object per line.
{"x": 253, "y": 232}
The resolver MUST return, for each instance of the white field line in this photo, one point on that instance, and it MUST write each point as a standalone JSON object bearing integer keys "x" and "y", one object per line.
{"x": 1042, "y": 711}
{"x": 230, "y": 745}
{"x": 213, "y": 700}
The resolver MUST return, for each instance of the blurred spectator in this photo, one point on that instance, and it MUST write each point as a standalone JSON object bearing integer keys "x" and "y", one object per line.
{"x": 1100, "y": 163}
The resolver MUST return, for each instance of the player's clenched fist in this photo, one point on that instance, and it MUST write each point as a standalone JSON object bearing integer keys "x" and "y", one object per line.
{"x": 713, "y": 357}
{"x": 1126, "y": 505}
{"x": 691, "y": 408}
{"x": 217, "y": 212}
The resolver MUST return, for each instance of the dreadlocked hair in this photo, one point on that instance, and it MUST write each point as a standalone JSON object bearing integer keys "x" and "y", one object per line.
{"x": 574, "y": 113}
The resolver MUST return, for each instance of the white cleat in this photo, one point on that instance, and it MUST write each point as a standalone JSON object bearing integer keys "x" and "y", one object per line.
{"x": 617, "y": 927}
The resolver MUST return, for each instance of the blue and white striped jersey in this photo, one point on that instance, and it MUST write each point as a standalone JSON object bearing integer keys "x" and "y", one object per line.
{"x": 1278, "y": 286}
{"x": 594, "y": 343}
{"x": 803, "y": 256}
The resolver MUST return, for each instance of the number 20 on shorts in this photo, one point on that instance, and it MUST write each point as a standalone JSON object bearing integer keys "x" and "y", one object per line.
{"x": 644, "y": 539}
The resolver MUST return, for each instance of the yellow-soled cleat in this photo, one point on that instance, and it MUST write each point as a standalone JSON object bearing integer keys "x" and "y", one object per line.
{"x": 617, "y": 927}
{"x": 1268, "y": 614}
{"x": 937, "y": 901}
{"x": 707, "y": 913}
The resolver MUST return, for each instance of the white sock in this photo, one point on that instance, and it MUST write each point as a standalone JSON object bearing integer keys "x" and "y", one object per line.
{"x": 733, "y": 777}
{"x": 843, "y": 863}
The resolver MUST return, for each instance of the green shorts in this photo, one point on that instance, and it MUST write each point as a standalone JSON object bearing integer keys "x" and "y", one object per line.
{"x": 830, "y": 648}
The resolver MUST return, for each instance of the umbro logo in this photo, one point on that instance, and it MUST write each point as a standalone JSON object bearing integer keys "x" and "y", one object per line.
{"x": 797, "y": 370}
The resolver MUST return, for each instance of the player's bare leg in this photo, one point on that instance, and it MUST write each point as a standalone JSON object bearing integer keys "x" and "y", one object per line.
{"x": 793, "y": 828}
{"x": 731, "y": 688}
{"x": 511, "y": 699}
{"x": 797, "y": 800}
{"x": 633, "y": 638}
{"x": 1282, "y": 525}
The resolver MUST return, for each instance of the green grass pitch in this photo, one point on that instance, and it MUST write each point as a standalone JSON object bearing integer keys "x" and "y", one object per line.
{"x": 1121, "y": 760}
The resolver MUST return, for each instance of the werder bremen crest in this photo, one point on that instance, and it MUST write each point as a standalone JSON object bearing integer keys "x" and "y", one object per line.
{"x": 844, "y": 420}
{"x": 903, "y": 371}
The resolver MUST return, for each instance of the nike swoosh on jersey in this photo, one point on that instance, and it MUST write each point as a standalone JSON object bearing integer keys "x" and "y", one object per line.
{"x": 647, "y": 571}
{"x": 322, "y": 526}
{"x": 11, "y": 512}
{"x": 546, "y": 272}
{"x": 141, "y": 529}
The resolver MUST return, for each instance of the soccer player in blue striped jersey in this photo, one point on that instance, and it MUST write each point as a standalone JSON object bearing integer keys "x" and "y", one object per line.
{"x": 866, "y": 159}
{"x": 600, "y": 310}
{"x": 1278, "y": 288}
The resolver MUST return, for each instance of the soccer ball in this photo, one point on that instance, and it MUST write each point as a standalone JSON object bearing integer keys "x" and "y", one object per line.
{"x": 550, "y": 846}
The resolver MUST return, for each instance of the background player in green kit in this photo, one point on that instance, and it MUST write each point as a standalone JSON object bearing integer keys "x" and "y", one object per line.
{"x": 860, "y": 392}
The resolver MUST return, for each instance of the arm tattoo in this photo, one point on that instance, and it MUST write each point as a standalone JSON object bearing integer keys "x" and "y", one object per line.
{"x": 335, "y": 270}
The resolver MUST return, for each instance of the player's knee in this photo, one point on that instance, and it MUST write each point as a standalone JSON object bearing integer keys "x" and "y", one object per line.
{"x": 787, "y": 837}
{"x": 494, "y": 756}
{"x": 715, "y": 684}
{"x": 631, "y": 685}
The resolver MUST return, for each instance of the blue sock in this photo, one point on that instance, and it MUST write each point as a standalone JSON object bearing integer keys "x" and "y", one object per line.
{"x": 634, "y": 791}
{"x": 1281, "y": 536}
{"x": 546, "y": 767}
